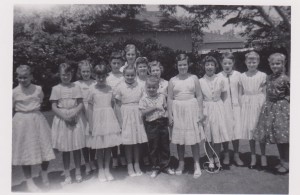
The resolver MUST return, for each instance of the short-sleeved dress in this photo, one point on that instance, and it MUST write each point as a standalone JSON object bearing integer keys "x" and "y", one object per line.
{"x": 31, "y": 134}
{"x": 274, "y": 118}
{"x": 133, "y": 130}
{"x": 67, "y": 137}
{"x": 252, "y": 100}
{"x": 114, "y": 79}
{"x": 185, "y": 108}
{"x": 85, "y": 86}
{"x": 232, "y": 105}
{"x": 163, "y": 87}
{"x": 105, "y": 128}
{"x": 213, "y": 109}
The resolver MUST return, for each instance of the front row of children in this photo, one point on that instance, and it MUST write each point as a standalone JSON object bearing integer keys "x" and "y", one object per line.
{"x": 96, "y": 116}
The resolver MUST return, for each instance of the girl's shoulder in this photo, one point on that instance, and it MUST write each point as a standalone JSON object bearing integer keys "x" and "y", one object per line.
{"x": 192, "y": 76}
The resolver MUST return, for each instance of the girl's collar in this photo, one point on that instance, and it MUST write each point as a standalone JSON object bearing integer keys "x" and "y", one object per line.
{"x": 210, "y": 77}
{"x": 131, "y": 84}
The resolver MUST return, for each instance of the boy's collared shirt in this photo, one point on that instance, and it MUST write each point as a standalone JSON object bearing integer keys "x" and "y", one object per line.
{"x": 148, "y": 101}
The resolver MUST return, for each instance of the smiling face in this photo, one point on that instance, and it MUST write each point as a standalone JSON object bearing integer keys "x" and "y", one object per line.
{"x": 156, "y": 71}
{"x": 142, "y": 69}
{"x": 130, "y": 56}
{"x": 115, "y": 65}
{"x": 24, "y": 78}
{"x": 85, "y": 72}
{"x": 151, "y": 88}
{"x": 210, "y": 68}
{"x": 101, "y": 79}
{"x": 129, "y": 76}
{"x": 182, "y": 67}
{"x": 276, "y": 65}
{"x": 65, "y": 77}
{"x": 252, "y": 64}
{"x": 227, "y": 65}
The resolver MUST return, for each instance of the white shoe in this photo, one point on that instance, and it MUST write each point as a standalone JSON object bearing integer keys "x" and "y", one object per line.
{"x": 32, "y": 187}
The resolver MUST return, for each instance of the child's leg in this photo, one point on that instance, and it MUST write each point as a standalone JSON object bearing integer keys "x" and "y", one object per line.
{"x": 93, "y": 161}
{"x": 196, "y": 156}
{"x": 286, "y": 147}
{"x": 236, "y": 156}
{"x": 114, "y": 152}
{"x": 164, "y": 147}
{"x": 226, "y": 159}
{"x": 77, "y": 162}
{"x": 263, "y": 157}
{"x": 44, "y": 174}
{"x": 253, "y": 152}
{"x": 180, "y": 151}
{"x": 107, "y": 155}
{"x": 217, "y": 148}
{"x": 66, "y": 162}
{"x": 128, "y": 153}
{"x": 282, "y": 149}
{"x": 86, "y": 156}
{"x": 153, "y": 150}
{"x": 29, "y": 181}
{"x": 136, "y": 154}
{"x": 122, "y": 155}
{"x": 100, "y": 159}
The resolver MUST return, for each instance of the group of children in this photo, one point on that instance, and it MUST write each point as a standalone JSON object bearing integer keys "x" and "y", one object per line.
{"x": 132, "y": 108}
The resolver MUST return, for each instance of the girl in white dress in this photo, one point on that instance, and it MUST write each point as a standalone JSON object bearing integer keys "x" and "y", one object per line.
{"x": 68, "y": 127}
{"x": 104, "y": 126}
{"x": 113, "y": 79}
{"x": 185, "y": 113}
{"x": 31, "y": 134}
{"x": 215, "y": 128}
{"x": 253, "y": 83}
{"x": 130, "y": 54}
{"x": 128, "y": 95}
{"x": 157, "y": 69}
{"x": 85, "y": 81}
{"x": 231, "y": 101}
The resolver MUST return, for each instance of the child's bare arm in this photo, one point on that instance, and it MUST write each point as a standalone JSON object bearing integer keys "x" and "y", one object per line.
{"x": 58, "y": 113}
{"x": 118, "y": 111}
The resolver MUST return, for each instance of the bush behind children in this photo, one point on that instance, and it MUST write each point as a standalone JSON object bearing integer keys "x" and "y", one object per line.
{"x": 133, "y": 106}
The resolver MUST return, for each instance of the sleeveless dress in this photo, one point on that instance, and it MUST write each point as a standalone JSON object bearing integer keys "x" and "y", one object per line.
{"x": 274, "y": 119}
{"x": 232, "y": 105}
{"x": 85, "y": 86}
{"x": 185, "y": 107}
{"x": 31, "y": 134}
{"x": 252, "y": 100}
{"x": 105, "y": 128}
{"x": 213, "y": 109}
{"x": 133, "y": 130}
{"x": 67, "y": 137}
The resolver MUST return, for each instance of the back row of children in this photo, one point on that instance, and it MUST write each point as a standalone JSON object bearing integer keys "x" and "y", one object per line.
{"x": 96, "y": 116}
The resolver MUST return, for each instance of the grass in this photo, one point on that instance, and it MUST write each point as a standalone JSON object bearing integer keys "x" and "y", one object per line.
{"x": 237, "y": 180}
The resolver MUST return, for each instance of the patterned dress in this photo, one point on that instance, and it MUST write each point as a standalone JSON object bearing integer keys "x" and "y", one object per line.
{"x": 274, "y": 119}
{"x": 31, "y": 134}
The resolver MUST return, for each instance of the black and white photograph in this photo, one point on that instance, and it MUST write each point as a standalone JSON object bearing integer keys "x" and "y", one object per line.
{"x": 181, "y": 98}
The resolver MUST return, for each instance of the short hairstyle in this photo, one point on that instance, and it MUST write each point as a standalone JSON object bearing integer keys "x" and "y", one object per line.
{"x": 101, "y": 69}
{"x": 209, "y": 58}
{"x": 182, "y": 57}
{"x": 156, "y": 63}
{"x": 141, "y": 60}
{"x": 152, "y": 79}
{"x": 129, "y": 67}
{"x": 228, "y": 55}
{"x": 81, "y": 64}
{"x": 65, "y": 67}
{"x": 23, "y": 68}
{"x": 129, "y": 47}
{"x": 116, "y": 55}
{"x": 277, "y": 55}
{"x": 252, "y": 55}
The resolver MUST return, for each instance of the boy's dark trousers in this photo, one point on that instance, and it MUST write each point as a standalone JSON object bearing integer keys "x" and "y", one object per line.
{"x": 159, "y": 144}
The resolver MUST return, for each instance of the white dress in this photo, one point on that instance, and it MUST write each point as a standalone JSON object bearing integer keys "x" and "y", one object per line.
{"x": 213, "y": 109}
{"x": 232, "y": 105}
{"x": 67, "y": 137}
{"x": 105, "y": 128}
{"x": 185, "y": 108}
{"x": 252, "y": 100}
{"x": 85, "y": 86}
{"x": 133, "y": 130}
{"x": 31, "y": 134}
